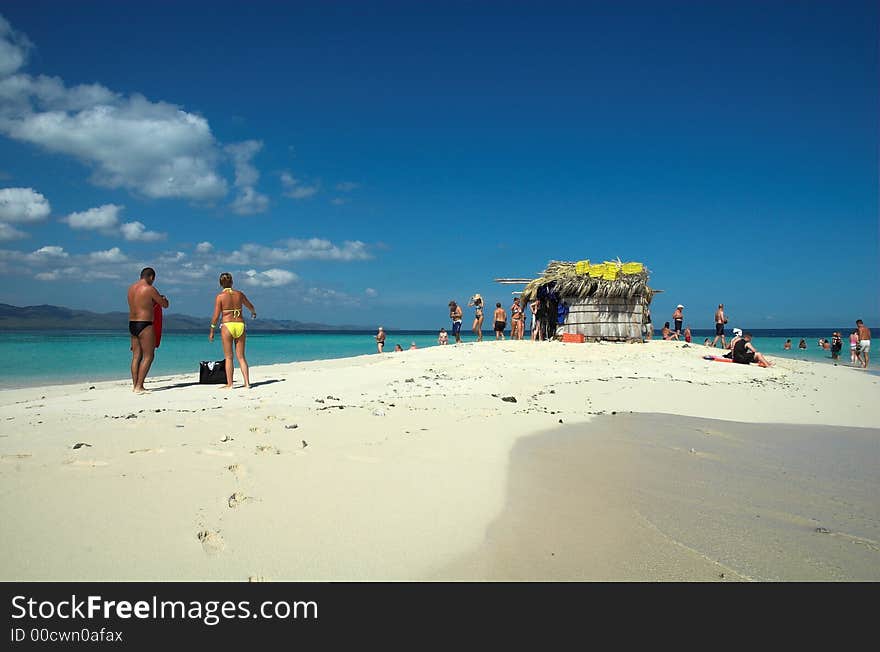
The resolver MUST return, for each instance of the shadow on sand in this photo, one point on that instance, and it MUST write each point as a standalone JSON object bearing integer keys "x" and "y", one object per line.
{"x": 195, "y": 383}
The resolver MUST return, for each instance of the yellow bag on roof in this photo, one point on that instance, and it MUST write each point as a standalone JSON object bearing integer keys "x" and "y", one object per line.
{"x": 610, "y": 272}
{"x": 582, "y": 267}
{"x": 632, "y": 268}
{"x": 597, "y": 270}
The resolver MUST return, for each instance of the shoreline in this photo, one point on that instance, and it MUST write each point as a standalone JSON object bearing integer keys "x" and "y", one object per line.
{"x": 363, "y": 468}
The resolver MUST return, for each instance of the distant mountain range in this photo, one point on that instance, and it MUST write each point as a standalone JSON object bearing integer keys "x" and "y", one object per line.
{"x": 56, "y": 317}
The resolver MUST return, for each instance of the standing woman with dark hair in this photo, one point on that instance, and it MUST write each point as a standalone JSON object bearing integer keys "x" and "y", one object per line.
{"x": 232, "y": 329}
{"x": 477, "y": 302}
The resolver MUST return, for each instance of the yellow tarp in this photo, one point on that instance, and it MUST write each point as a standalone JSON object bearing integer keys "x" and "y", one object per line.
{"x": 582, "y": 267}
{"x": 632, "y": 268}
{"x": 597, "y": 270}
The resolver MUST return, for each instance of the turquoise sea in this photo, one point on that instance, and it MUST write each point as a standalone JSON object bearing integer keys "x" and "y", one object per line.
{"x": 52, "y": 357}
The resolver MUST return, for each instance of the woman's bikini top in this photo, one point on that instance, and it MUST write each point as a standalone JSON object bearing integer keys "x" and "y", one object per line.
{"x": 236, "y": 312}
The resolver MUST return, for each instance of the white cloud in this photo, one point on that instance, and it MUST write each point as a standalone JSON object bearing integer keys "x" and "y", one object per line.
{"x": 104, "y": 218}
{"x": 22, "y": 205}
{"x": 302, "y": 192}
{"x": 48, "y": 252}
{"x": 347, "y": 186}
{"x": 327, "y": 296}
{"x": 14, "y": 48}
{"x": 370, "y": 292}
{"x": 295, "y": 189}
{"x": 10, "y": 233}
{"x": 113, "y": 255}
{"x": 248, "y": 201}
{"x": 137, "y": 232}
{"x": 293, "y": 249}
{"x": 47, "y": 276}
{"x": 271, "y": 278}
{"x": 153, "y": 148}
{"x": 204, "y": 247}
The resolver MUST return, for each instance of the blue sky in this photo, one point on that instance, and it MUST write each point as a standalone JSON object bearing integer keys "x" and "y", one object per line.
{"x": 365, "y": 163}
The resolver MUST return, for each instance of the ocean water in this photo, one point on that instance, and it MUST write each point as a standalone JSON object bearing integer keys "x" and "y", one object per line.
{"x": 33, "y": 358}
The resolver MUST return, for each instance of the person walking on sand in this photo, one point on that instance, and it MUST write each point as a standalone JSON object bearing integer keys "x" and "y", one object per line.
{"x": 854, "y": 347}
{"x": 720, "y": 320}
{"x": 678, "y": 318}
{"x": 380, "y": 339}
{"x": 477, "y": 302}
{"x": 455, "y": 316}
{"x": 233, "y": 333}
{"x": 864, "y": 342}
{"x": 142, "y": 297}
{"x": 500, "y": 319}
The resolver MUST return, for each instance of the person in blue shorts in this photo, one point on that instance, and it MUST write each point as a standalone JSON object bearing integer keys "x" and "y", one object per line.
{"x": 455, "y": 316}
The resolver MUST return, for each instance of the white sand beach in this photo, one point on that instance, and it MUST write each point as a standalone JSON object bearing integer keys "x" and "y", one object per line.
{"x": 411, "y": 466}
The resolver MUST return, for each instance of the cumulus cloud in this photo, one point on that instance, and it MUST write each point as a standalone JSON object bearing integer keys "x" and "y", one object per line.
{"x": 327, "y": 296}
{"x": 113, "y": 255}
{"x": 102, "y": 218}
{"x": 270, "y": 278}
{"x": 295, "y": 188}
{"x": 293, "y": 249}
{"x": 8, "y": 232}
{"x": 14, "y": 48}
{"x": 204, "y": 247}
{"x": 137, "y": 232}
{"x": 49, "y": 252}
{"x": 153, "y": 148}
{"x": 106, "y": 220}
{"x": 23, "y": 205}
{"x": 248, "y": 201}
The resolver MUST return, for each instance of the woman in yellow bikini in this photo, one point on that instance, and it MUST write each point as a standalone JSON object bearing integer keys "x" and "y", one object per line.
{"x": 232, "y": 328}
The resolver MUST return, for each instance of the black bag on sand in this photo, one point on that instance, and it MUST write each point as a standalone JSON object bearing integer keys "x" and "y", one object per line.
{"x": 212, "y": 373}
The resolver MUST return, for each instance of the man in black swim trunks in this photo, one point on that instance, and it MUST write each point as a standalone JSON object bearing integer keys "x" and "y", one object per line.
{"x": 142, "y": 296}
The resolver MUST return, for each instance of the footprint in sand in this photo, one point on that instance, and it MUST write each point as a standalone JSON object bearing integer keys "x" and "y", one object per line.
{"x": 212, "y": 542}
{"x": 87, "y": 463}
{"x": 209, "y": 451}
{"x": 237, "y": 499}
{"x": 236, "y": 469}
{"x": 266, "y": 449}
{"x": 15, "y": 456}
{"x": 257, "y": 578}
{"x": 146, "y": 450}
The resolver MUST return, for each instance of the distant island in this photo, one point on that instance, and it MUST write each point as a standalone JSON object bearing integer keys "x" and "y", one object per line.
{"x": 55, "y": 318}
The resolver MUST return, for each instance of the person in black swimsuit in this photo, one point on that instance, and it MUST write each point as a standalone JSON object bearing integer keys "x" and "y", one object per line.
{"x": 744, "y": 353}
{"x": 142, "y": 296}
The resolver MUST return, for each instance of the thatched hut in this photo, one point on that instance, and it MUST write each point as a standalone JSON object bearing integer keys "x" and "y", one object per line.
{"x": 605, "y": 301}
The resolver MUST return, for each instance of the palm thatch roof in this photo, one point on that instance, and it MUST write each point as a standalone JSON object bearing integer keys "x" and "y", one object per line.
{"x": 570, "y": 284}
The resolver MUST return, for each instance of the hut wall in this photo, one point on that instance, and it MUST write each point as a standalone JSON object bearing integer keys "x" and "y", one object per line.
{"x": 605, "y": 318}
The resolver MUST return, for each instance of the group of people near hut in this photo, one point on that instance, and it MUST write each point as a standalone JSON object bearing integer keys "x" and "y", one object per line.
{"x": 499, "y": 318}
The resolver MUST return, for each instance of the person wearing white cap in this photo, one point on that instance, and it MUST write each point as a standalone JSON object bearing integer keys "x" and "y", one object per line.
{"x": 678, "y": 318}
{"x": 380, "y": 339}
{"x": 477, "y": 302}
